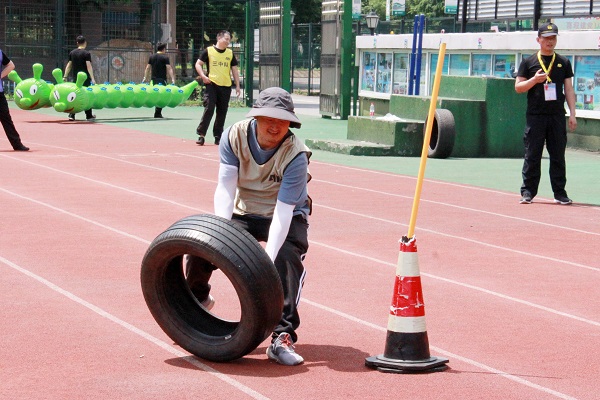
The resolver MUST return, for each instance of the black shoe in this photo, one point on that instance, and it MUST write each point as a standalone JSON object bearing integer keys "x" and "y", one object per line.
{"x": 71, "y": 117}
{"x": 526, "y": 198}
{"x": 200, "y": 141}
{"x": 91, "y": 118}
{"x": 21, "y": 148}
{"x": 158, "y": 116}
{"x": 217, "y": 140}
{"x": 564, "y": 200}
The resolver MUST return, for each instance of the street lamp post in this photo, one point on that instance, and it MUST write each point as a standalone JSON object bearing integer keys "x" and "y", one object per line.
{"x": 292, "y": 16}
{"x": 372, "y": 21}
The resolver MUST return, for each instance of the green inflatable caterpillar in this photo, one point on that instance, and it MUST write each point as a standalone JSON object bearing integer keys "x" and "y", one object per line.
{"x": 69, "y": 97}
{"x": 31, "y": 93}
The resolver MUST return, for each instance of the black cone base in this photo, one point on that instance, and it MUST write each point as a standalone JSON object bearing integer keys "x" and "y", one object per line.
{"x": 384, "y": 364}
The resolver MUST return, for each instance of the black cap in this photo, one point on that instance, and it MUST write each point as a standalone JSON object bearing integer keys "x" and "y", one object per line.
{"x": 547, "y": 29}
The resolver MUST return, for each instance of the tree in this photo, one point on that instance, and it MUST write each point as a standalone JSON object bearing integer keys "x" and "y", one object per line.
{"x": 429, "y": 8}
{"x": 307, "y": 11}
{"x": 198, "y": 22}
{"x": 378, "y": 6}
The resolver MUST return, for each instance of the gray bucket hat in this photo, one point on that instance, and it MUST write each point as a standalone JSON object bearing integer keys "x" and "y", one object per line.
{"x": 275, "y": 102}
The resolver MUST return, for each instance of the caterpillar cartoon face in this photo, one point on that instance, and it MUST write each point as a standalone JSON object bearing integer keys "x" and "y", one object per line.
{"x": 31, "y": 93}
{"x": 69, "y": 97}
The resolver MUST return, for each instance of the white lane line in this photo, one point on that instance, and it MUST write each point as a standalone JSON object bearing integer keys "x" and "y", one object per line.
{"x": 468, "y": 286}
{"x": 165, "y": 346}
{"x": 476, "y": 210}
{"x": 439, "y": 182}
{"x": 449, "y": 354}
{"x": 511, "y": 250}
{"x": 341, "y": 250}
{"x": 70, "y": 214}
{"x": 110, "y": 185}
{"x": 333, "y": 248}
{"x": 195, "y": 177}
{"x": 336, "y": 312}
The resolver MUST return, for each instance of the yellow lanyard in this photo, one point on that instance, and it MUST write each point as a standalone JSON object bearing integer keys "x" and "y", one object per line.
{"x": 546, "y": 70}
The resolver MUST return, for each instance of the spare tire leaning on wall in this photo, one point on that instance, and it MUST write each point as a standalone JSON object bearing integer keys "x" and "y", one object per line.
{"x": 443, "y": 134}
{"x": 241, "y": 259}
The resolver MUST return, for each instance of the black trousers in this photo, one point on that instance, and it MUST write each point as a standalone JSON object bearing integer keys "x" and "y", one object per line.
{"x": 550, "y": 130}
{"x": 215, "y": 98}
{"x": 288, "y": 264}
{"x": 88, "y": 82}
{"x": 7, "y": 123}
{"x": 158, "y": 81}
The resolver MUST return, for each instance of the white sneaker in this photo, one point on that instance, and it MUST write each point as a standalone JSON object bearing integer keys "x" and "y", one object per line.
{"x": 282, "y": 351}
{"x": 208, "y": 303}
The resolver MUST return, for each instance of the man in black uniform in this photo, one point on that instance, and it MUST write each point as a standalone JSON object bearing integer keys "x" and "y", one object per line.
{"x": 5, "y": 118}
{"x": 158, "y": 66}
{"x": 80, "y": 60}
{"x": 547, "y": 77}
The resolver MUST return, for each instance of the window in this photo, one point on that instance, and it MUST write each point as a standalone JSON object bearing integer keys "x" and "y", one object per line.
{"x": 368, "y": 77}
{"x": 459, "y": 64}
{"x": 433, "y": 68}
{"x": 504, "y": 65}
{"x": 586, "y": 82}
{"x": 384, "y": 72}
{"x": 481, "y": 64}
{"x": 401, "y": 64}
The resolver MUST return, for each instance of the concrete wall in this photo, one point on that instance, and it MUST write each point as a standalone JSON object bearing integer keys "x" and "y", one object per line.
{"x": 489, "y": 115}
{"x": 586, "y": 136}
{"x": 489, "y": 119}
{"x": 504, "y": 116}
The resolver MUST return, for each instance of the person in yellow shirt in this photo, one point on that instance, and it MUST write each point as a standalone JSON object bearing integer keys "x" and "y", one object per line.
{"x": 220, "y": 63}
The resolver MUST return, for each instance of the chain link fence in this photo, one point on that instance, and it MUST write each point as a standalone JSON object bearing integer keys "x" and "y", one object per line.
{"x": 121, "y": 35}
{"x": 306, "y": 58}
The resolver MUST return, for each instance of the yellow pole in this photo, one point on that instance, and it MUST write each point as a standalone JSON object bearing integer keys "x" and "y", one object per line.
{"x": 426, "y": 139}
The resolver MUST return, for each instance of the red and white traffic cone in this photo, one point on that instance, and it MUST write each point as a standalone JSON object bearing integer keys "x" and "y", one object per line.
{"x": 407, "y": 346}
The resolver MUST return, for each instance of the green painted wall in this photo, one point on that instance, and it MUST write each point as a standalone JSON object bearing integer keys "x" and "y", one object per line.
{"x": 489, "y": 115}
{"x": 489, "y": 119}
{"x": 468, "y": 120}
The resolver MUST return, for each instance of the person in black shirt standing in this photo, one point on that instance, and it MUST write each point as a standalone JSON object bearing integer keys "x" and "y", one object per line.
{"x": 5, "y": 118}
{"x": 158, "y": 66}
{"x": 547, "y": 77}
{"x": 80, "y": 60}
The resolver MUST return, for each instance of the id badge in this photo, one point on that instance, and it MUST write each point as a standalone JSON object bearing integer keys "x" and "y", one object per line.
{"x": 550, "y": 91}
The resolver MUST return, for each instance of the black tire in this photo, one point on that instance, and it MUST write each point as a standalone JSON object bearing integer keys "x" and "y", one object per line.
{"x": 443, "y": 134}
{"x": 241, "y": 259}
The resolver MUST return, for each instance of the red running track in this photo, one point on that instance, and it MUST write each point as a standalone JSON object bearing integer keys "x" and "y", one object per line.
{"x": 511, "y": 291}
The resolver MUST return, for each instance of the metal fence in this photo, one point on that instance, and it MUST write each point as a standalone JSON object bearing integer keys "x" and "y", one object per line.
{"x": 122, "y": 35}
{"x": 306, "y": 58}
